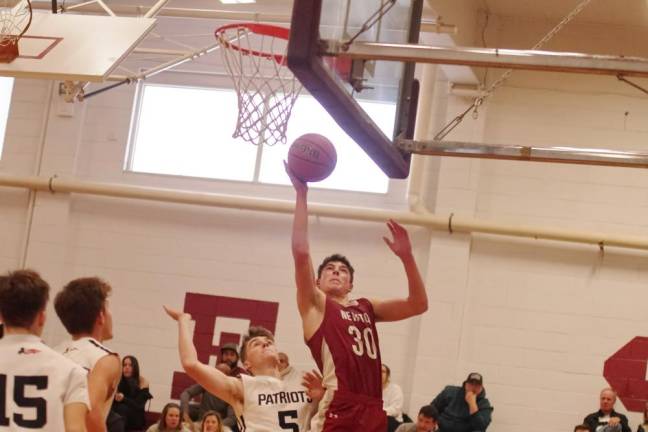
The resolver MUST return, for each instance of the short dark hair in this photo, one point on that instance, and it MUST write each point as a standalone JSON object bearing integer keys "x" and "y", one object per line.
{"x": 254, "y": 331}
{"x": 581, "y": 427}
{"x": 335, "y": 258}
{"x": 23, "y": 294}
{"x": 79, "y": 303}
{"x": 429, "y": 411}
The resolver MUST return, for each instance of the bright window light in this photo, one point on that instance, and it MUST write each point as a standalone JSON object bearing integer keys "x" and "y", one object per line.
{"x": 187, "y": 131}
{"x": 354, "y": 169}
{"x": 6, "y": 88}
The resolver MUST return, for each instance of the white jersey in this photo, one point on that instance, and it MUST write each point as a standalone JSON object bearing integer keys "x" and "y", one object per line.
{"x": 271, "y": 405}
{"x": 86, "y": 352}
{"x": 36, "y": 383}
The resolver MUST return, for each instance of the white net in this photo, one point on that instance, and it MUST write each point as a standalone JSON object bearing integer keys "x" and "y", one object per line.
{"x": 15, "y": 18}
{"x": 266, "y": 88}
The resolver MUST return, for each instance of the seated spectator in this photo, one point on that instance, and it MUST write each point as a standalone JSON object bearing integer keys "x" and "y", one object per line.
{"x": 131, "y": 396}
{"x": 211, "y": 422}
{"x": 606, "y": 419}
{"x": 425, "y": 422}
{"x": 230, "y": 356}
{"x": 170, "y": 420}
{"x": 392, "y": 400}
{"x": 643, "y": 427}
{"x": 209, "y": 402}
{"x": 465, "y": 408}
{"x": 581, "y": 428}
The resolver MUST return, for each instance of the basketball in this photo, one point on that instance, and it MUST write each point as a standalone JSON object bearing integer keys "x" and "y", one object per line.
{"x": 312, "y": 157}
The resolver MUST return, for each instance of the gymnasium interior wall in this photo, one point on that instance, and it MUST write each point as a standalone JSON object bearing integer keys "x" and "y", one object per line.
{"x": 537, "y": 318}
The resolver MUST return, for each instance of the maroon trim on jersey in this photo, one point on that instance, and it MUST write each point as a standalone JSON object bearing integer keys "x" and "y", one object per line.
{"x": 350, "y": 336}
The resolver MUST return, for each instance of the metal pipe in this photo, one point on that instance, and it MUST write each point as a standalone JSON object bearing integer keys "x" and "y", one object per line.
{"x": 452, "y": 223}
{"x": 497, "y": 58}
{"x": 159, "y": 51}
{"x": 572, "y": 155}
{"x": 156, "y": 8}
{"x": 175, "y": 62}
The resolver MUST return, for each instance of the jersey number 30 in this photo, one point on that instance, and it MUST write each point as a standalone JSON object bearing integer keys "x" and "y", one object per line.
{"x": 363, "y": 342}
{"x": 39, "y": 405}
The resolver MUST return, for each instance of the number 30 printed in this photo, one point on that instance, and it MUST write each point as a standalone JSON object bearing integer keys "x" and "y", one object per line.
{"x": 364, "y": 342}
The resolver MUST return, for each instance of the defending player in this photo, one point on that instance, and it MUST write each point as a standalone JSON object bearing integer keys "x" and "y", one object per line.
{"x": 262, "y": 402}
{"x": 39, "y": 388}
{"x": 341, "y": 332}
{"x": 83, "y": 308}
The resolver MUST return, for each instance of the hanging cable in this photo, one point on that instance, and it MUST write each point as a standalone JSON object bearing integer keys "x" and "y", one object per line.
{"x": 502, "y": 79}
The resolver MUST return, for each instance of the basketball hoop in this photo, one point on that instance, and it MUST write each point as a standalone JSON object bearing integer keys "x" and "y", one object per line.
{"x": 14, "y": 22}
{"x": 255, "y": 57}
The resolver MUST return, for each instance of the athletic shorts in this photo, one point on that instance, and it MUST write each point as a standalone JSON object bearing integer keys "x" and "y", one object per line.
{"x": 352, "y": 412}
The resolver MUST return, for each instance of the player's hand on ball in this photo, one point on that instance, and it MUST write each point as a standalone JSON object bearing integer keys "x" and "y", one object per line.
{"x": 400, "y": 245}
{"x": 176, "y": 314}
{"x": 298, "y": 184}
{"x": 313, "y": 382}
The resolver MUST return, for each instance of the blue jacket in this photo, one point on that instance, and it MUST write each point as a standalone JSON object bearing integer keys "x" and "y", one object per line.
{"x": 454, "y": 415}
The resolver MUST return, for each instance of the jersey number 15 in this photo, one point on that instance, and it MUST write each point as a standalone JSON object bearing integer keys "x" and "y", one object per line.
{"x": 39, "y": 405}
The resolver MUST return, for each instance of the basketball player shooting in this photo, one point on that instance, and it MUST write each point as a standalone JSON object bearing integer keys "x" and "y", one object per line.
{"x": 341, "y": 332}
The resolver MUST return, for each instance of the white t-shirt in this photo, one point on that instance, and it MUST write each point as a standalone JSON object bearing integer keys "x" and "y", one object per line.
{"x": 37, "y": 383}
{"x": 393, "y": 401}
{"x": 271, "y": 405}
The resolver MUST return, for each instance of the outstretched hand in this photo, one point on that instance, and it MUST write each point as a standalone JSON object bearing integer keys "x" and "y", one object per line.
{"x": 298, "y": 184}
{"x": 313, "y": 382}
{"x": 400, "y": 245}
{"x": 176, "y": 314}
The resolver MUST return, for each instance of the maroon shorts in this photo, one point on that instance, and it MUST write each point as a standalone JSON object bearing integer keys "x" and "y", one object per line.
{"x": 352, "y": 412}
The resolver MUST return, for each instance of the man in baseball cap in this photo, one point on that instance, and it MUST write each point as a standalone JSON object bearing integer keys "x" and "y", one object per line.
{"x": 229, "y": 355}
{"x": 465, "y": 408}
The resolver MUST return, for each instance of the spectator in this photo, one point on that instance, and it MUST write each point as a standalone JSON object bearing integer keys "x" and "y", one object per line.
{"x": 465, "y": 408}
{"x": 132, "y": 394}
{"x": 643, "y": 427}
{"x": 392, "y": 400}
{"x": 606, "y": 419}
{"x": 211, "y": 422}
{"x": 230, "y": 356}
{"x": 425, "y": 422}
{"x": 209, "y": 402}
{"x": 169, "y": 420}
{"x": 581, "y": 428}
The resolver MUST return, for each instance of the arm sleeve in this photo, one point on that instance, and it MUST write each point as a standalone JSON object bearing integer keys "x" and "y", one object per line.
{"x": 440, "y": 402}
{"x": 393, "y": 401}
{"x": 625, "y": 426}
{"x": 139, "y": 401}
{"x": 482, "y": 418}
{"x": 77, "y": 389}
{"x": 187, "y": 394}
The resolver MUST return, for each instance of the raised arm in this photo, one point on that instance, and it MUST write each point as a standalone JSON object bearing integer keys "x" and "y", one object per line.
{"x": 309, "y": 297}
{"x": 214, "y": 381}
{"x": 416, "y": 302}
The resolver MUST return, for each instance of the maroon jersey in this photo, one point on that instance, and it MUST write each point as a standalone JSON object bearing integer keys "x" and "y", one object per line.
{"x": 345, "y": 348}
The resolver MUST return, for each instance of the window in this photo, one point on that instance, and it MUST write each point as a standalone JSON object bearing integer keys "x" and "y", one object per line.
{"x": 188, "y": 131}
{"x": 6, "y": 87}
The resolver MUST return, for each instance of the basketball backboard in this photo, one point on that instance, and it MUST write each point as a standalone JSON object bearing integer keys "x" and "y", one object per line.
{"x": 75, "y": 47}
{"x": 347, "y": 90}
